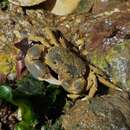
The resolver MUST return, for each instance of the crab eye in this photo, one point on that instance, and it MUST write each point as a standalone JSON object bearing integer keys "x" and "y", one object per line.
{"x": 55, "y": 62}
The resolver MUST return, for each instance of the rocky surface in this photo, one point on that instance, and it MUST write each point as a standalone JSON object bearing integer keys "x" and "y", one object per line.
{"x": 8, "y": 116}
{"x": 109, "y": 112}
{"x": 108, "y": 47}
{"x": 104, "y": 35}
{"x": 101, "y": 34}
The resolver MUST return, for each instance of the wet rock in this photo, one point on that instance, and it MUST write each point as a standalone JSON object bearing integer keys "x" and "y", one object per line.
{"x": 108, "y": 47}
{"x": 101, "y": 6}
{"x": 14, "y": 27}
{"x": 104, "y": 35}
{"x": 102, "y": 39}
{"x": 105, "y": 113}
{"x": 8, "y": 116}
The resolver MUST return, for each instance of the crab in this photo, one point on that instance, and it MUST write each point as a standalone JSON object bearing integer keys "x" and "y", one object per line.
{"x": 56, "y": 62}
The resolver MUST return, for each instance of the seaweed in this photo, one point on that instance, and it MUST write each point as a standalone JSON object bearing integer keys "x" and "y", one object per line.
{"x": 39, "y": 104}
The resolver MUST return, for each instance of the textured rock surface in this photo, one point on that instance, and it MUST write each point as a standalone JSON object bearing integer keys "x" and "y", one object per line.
{"x": 108, "y": 47}
{"x": 102, "y": 39}
{"x": 94, "y": 35}
{"x": 8, "y": 116}
{"x": 102, "y": 113}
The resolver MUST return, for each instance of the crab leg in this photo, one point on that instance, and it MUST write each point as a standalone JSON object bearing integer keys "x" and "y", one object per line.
{"x": 96, "y": 70}
{"x": 108, "y": 83}
{"x": 51, "y": 37}
{"x": 39, "y": 38}
{"x": 102, "y": 78}
{"x": 92, "y": 84}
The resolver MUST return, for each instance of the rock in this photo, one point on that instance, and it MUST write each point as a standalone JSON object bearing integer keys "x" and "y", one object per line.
{"x": 57, "y": 7}
{"x": 107, "y": 6}
{"x": 108, "y": 46}
{"x": 26, "y": 2}
{"x": 8, "y": 116}
{"x": 109, "y": 112}
{"x": 104, "y": 35}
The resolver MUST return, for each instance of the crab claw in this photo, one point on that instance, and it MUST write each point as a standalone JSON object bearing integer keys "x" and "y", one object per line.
{"x": 36, "y": 66}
